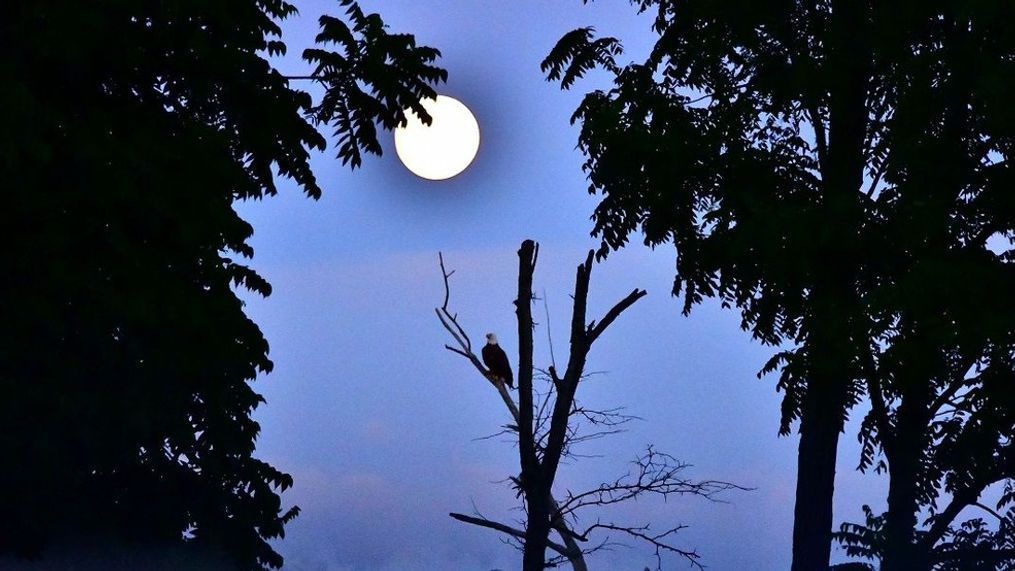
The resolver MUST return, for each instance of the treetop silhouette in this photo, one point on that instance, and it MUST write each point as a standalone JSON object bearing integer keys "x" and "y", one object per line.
{"x": 129, "y": 130}
{"x": 834, "y": 170}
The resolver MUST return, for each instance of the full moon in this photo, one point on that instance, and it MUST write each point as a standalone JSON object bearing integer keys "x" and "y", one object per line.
{"x": 443, "y": 149}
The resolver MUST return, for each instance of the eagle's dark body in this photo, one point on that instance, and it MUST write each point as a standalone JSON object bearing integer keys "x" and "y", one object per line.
{"x": 496, "y": 360}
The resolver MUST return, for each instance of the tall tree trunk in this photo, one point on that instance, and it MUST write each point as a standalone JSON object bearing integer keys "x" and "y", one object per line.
{"x": 537, "y": 528}
{"x": 900, "y": 523}
{"x": 903, "y": 463}
{"x": 831, "y": 345}
{"x": 907, "y": 447}
{"x": 819, "y": 441}
{"x": 830, "y": 352}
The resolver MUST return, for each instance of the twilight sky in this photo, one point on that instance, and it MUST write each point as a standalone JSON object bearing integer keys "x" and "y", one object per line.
{"x": 378, "y": 423}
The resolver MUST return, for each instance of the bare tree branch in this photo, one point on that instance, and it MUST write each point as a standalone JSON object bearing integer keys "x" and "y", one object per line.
{"x": 450, "y": 323}
{"x": 654, "y": 473}
{"x": 657, "y": 540}
{"x": 581, "y": 344}
{"x": 596, "y": 330}
{"x": 508, "y": 530}
{"x": 989, "y": 510}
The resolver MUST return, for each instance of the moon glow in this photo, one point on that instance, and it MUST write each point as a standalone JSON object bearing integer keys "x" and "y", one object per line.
{"x": 444, "y": 148}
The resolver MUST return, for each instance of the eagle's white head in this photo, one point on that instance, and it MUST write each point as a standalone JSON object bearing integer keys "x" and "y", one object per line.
{"x": 491, "y": 339}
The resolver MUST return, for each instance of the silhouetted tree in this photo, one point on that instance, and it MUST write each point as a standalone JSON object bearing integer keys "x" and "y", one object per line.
{"x": 953, "y": 437}
{"x": 128, "y": 129}
{"x": 942, "y": 414}
{"x": 549, "y": 423}
{"x": 816, "y": 164}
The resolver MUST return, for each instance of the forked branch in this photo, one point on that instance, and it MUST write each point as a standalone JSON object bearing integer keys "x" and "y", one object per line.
{"x": 464, "y": 343}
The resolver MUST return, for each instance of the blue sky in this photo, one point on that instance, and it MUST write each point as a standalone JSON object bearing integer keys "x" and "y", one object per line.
{"x": 378, "y": 423}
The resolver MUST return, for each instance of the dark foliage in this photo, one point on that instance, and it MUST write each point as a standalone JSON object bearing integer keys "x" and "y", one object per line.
{"x": 374, "y": 78}
{"x": 128, "y": 130}
{"x": 834, "y": 169}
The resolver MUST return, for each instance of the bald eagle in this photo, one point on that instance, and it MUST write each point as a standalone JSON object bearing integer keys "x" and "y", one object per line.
{"x": 496, "y": 360}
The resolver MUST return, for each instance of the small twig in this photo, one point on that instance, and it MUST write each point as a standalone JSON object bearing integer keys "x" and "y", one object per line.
{"x": 657, "y": 541}
{"x": 549, "y": 336}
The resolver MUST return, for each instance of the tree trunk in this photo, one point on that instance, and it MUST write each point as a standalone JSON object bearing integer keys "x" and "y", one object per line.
{"x": 831, "y": 345}
{"x": 830, "y": 374}
{"x": 819, "y": 439}
{"x": 537, "y": 528}
{"x": 537, "y": 531}
{"x": 908, "y": 446}
{"x": 900, "y": 523}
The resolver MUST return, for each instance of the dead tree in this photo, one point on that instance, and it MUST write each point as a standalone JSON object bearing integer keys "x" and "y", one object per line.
{"x": 548, "y": 423}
